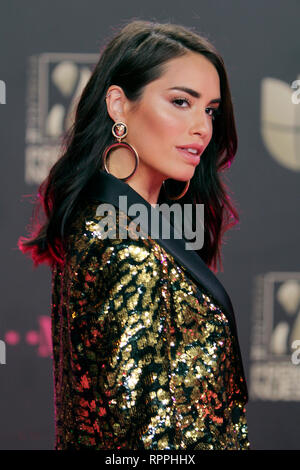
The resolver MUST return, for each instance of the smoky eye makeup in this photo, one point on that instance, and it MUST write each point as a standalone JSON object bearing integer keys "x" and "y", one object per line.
{"x": 177, "y": 100}
{"x": 215, "y": 112}
{"x": 183, "y": 102}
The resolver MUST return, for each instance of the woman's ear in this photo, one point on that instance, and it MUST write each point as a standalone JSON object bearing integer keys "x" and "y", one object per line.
{"x": 115, "y": 101}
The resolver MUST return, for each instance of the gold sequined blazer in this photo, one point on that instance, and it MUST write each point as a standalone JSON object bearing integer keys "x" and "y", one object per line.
{"x": 145, "y": 346}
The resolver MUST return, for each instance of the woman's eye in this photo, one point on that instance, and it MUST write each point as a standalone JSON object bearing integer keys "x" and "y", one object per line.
{"x": 180, "y": 100}
{"x": 215, "y": 112}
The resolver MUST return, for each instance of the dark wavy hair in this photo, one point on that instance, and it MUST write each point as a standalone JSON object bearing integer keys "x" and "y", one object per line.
{"x": 132, "y": 59}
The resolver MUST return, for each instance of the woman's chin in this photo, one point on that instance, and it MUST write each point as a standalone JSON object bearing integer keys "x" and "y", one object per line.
{"x": 185, "y": 173}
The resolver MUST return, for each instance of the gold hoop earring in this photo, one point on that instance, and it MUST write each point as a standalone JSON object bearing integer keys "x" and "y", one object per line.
{"x": 119, "y": 131}
{"x": 175, "y": 198}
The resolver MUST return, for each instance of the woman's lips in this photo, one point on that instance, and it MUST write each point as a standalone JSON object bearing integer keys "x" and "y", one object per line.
{"x": 189, "y": 157}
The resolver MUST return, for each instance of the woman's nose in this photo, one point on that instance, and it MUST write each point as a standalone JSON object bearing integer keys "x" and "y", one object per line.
{"x": 201, "y": 124}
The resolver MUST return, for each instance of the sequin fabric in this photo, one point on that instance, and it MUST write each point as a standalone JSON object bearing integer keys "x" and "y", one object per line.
{"x": 143, "y": 357}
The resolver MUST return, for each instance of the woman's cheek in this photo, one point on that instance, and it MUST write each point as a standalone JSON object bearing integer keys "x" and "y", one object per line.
{"x": 172, "y": 127}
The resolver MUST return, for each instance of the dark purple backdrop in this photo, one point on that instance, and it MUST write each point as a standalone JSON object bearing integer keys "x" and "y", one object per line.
{"x": 258, "y": 41}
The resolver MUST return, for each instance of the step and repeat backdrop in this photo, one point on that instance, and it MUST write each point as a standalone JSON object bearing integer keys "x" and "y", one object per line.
{"x": 47, "y": 52}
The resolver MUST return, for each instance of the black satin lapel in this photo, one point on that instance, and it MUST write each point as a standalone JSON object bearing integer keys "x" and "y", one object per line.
{"x": 105, "y": 187}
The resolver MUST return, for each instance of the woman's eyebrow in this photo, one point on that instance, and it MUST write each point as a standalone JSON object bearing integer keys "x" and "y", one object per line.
{"x": 193, "y": 93}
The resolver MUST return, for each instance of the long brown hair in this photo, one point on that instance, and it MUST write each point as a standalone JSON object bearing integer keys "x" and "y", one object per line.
{"x": 132, "y": 59}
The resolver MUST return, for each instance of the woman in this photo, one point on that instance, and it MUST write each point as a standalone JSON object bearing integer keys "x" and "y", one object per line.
{"x": 145, "y": 347}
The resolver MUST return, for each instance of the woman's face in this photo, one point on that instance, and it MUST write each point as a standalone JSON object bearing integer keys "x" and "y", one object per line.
{"x": 167, "y": 118}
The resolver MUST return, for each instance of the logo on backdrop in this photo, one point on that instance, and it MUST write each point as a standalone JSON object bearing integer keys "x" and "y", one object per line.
{"x": 280, "y": 121}
{"x": 40, "y": 339}
{"x": 275, "y": 342}
{"x": 55, "y": 83}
